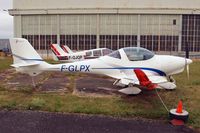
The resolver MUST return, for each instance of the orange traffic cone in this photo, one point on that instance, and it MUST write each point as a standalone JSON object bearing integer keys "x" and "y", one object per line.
{"x": 179, "y": 108}
{"x": 178, "y": 116}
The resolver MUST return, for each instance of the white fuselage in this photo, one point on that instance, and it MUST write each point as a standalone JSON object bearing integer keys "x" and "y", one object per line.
{"x": 160, "y": 64}
{"x": 83, "y": 55}
{"x": 130, "y": 65}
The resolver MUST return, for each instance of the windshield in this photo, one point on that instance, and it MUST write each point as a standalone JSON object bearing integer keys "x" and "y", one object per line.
{"x": 138, "y": 54}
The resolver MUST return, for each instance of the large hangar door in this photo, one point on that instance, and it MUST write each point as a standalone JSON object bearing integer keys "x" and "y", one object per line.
{"x": 118, "y": 31}
{"x": 191, "y": 32}
{"x": 159, "y": 32}
{"x": 78, "y": 31}
{"x": 41, "y": 31}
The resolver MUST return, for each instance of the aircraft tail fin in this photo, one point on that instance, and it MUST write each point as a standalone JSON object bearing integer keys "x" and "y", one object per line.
{"x": 58, "y": 52}
{"x": 67, "y": 49}
{"x": 22, "y": 52}
{"x": 25, "y": 58}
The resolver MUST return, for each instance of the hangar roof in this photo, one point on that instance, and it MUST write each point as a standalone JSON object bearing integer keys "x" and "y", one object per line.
{"x": 41, "y": 4}
{"x": 107, "y": 5}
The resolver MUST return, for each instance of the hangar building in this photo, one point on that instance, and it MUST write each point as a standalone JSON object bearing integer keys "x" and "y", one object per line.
{"x": 159, "y": 25}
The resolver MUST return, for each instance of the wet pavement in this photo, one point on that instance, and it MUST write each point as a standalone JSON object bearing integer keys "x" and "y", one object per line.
{"x": 43, "y": 122}
{"x": 96, "y": 84}
{"x": 55, "y": 82}
{"x": 59, "y": 82}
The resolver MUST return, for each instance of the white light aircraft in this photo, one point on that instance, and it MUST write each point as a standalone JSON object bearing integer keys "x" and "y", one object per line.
{"x": 67, "y": 55}
{"x": 134, "y": 68}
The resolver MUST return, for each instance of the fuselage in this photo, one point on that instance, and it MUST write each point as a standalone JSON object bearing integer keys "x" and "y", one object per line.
{"x": 130, "y": 65}
{"x": 163, "y": 65}
{"x": 66, "y": 55}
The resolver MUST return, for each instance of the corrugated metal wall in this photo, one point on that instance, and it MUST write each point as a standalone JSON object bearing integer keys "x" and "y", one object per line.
{"x": 155, "y": 32}
{"x": 62, "y": 4}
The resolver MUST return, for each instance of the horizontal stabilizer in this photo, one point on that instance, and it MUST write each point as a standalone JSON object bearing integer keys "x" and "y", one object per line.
{"x": 25, "y": 58}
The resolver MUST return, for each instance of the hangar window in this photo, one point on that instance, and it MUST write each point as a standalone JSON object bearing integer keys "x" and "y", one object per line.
{"x": 137, "y": 53}
{"x": 115, "y": 54}
{"x": 174, "y": 22}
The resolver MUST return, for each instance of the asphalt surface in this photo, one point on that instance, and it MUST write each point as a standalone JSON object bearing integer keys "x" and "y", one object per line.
{"x": 43, "y": 122}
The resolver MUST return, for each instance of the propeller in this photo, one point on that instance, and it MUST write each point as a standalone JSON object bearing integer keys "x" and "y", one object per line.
{"x": 187, "y": 62}
{"x": 188, "y": 71}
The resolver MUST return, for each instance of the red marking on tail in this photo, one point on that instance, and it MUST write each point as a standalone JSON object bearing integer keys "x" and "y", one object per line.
{"x": 144, "y": 80}
{"x": 55, "y": 50}
{"x": 62, "y": 46}
{"x": 179, "y": 108}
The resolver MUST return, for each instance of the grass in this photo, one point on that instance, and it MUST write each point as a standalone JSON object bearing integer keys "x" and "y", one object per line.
{"x": 189, "y": 91}
{"x": 5, "y": 63}
{"x": 114, "y": 106}
{"x": 36, "y": 103}
{"x": 146, "y": 105}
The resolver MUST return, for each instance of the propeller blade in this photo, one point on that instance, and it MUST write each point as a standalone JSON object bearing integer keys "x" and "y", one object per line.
{"x": 187, "y": 62}
{"x": 188, "y": 71}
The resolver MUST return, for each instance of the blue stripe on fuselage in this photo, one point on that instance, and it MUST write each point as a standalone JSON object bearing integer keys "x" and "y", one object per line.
{"x": 161, "y": 73}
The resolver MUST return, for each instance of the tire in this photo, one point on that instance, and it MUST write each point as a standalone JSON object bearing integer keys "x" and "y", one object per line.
{"x": 179, "y": 116}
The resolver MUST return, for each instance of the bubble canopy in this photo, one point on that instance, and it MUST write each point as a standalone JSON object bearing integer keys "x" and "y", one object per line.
{"x": 134, "y": 54}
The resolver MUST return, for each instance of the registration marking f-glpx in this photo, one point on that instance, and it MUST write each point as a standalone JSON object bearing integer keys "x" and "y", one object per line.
{"x": 75, "y": 68}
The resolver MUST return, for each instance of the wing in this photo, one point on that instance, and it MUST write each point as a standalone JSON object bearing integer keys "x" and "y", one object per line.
{"x": 130, "y": 75}
{"x": 146, "y": 78}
